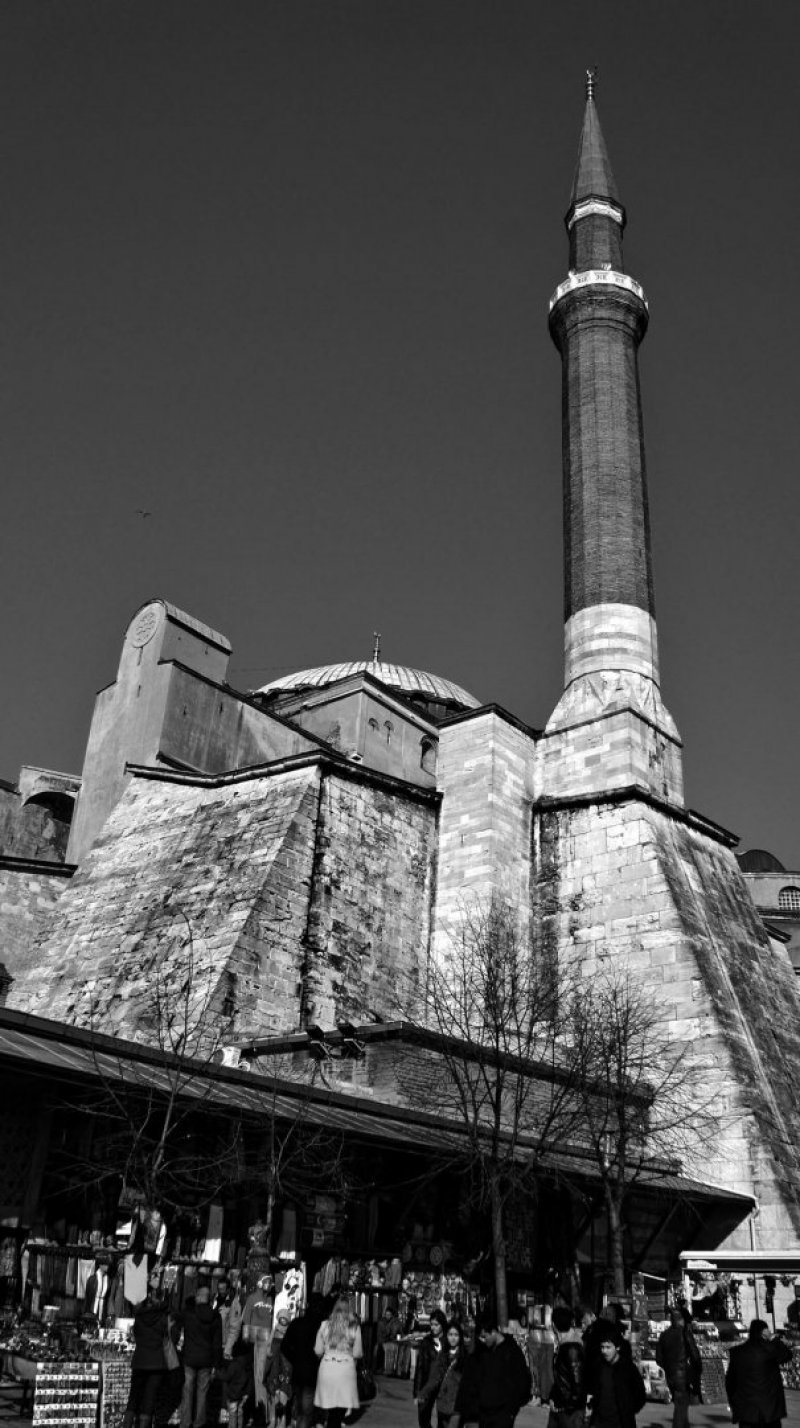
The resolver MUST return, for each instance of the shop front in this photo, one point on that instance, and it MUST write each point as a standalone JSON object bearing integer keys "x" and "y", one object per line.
{"x": 327, "y": 1186}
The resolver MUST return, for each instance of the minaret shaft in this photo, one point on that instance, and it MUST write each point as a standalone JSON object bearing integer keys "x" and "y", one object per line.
{"x": 605, "y": 503}
{"x": 598, "y": 318}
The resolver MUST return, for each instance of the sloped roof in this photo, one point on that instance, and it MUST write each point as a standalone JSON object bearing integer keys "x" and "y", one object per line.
{"x": 68, "y": 1051}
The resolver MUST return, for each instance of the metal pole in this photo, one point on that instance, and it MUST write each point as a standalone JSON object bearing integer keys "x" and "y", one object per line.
{"x": 751, "y": 1222}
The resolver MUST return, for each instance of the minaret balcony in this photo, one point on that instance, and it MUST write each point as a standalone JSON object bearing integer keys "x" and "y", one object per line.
{"x": 598, "y": 277}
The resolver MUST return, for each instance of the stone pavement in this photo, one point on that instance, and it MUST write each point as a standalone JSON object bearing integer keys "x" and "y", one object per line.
{"x": 394, "y": 1408}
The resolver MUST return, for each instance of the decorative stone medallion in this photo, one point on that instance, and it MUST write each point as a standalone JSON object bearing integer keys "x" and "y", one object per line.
{"x": 145, "y": 625}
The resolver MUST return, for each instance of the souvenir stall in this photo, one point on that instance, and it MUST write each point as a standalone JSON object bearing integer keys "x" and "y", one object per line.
{"x": 725, "y": 1289}
{"x": 394, "y": 1300}
{"x": 67, "y": 1341}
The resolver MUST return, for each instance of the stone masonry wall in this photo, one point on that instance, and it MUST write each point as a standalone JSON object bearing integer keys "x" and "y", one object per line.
{"x": 626, "y": 881}
{"x": 293, "y": 894}
{"x": 614, "y": 750}
{"x": 27, "y": 900}
{"x": 231, "y": 864}
{"x": 487, "y": 769}
{"x": 31, "y": 830}
{"x": 369, "y": 924}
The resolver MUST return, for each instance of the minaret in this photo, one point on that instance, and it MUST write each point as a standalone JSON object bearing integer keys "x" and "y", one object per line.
{"x": 598, "y": 318}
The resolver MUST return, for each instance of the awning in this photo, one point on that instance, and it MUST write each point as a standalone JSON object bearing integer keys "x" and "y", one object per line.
{"x": 777, "y": 1261}
{"x": 55, "y": 1050}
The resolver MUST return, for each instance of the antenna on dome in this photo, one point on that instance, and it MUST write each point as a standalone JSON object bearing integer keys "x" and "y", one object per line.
{"x": 376, "y": 648}
{"x": 591, "y": 81}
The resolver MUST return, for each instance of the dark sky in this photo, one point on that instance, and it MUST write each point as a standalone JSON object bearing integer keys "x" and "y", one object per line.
{"x": 279, "y": 273}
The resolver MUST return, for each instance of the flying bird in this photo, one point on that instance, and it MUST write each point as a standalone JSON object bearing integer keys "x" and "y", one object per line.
{"x": 143, "y": 514}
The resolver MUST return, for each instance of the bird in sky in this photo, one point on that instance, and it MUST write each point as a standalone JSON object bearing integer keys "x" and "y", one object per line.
{"x": 143, "y": 514}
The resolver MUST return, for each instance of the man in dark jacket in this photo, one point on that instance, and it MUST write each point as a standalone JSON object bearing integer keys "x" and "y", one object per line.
{"x": 616, "y": 1387}
{"x": 202, "y": 1353}
{"x": 678, "y": 1355}
{"x": 568, "y": 1393}
{"x": 753, "y": 1381}
{"x": 496, "y": 1382}
{"x": 298, "y": 1350}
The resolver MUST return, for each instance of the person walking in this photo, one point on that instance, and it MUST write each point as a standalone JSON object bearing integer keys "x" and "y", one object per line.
{"x": 337, "y": 1346}
{"x": 202, "y": 1354}
{"x": 753, "y": 1381}
{"x": 278, "y": 1372}
{"x": 678, "y": 1355}
{"x": 568, "y": 1393}
{"x": 237, "y": 1379}
{"x": 429, "y": 1368}
{"x": 615, "y": 1387}
{"x": 496, "y": 1382}
{"x": 453, "y": 1363}
{"x": 151, "y": 1325}
{"x": 257, "y": 1321}
{"x": 298, "y": 1350}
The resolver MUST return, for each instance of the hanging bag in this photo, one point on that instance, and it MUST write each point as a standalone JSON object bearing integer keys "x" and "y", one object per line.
{"x": 171, "y": 1356}
{"x": 367, "y": 1388}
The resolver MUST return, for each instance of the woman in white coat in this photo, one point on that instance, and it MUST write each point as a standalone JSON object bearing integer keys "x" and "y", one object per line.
{"x": 337, "y": 1346}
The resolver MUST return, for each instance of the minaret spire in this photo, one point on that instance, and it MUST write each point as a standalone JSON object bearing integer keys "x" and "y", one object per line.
{"x": 598, "y": 318}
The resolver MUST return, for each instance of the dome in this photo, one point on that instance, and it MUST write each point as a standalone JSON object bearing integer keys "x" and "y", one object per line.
{"x": 757, "y": 860}
{"x": 411, "y": 683}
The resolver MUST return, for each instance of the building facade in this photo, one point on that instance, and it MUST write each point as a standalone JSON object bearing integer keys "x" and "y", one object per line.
{"x": 309, "y": 847}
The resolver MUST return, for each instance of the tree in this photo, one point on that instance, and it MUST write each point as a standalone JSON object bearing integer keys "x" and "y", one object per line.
{"x": 496, "y": 1070}
{"x": 638, "y": 1093}
{"x": 154, "y": 1125}
{"x": 164, "y": 1126}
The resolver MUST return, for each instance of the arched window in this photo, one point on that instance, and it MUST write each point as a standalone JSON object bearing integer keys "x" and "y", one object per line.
{"x": 374, "y": 725}
{"x": 427, "y": 758}
{"x": 789, "y": 899}
{"x": 388, "y": 729}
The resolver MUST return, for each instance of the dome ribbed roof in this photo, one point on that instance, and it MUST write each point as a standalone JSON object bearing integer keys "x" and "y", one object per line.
{"x": 758, "y": 860}
{"x": 406, "y": 681}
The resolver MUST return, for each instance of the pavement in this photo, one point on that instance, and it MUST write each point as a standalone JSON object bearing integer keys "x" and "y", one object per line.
{"x": 394, "y": 1408}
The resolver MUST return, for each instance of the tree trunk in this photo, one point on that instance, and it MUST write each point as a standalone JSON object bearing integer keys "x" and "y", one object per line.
{"x": 270, "y": 1215}
{"x": 616, "y": 1249}
{"x": 499, "y": 1254}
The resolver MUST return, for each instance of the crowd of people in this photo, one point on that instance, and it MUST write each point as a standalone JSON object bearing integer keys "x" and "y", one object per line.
{"x": 285, "y": 1372}
{"x": 273, "y": 1369}
{"x": 591, "y": 1374}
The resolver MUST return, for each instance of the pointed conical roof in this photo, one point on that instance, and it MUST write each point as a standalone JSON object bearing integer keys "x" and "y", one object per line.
{"x": 593, "y": 176}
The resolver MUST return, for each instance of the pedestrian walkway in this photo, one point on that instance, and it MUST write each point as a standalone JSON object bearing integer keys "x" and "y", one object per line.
{"x": 394, "y": 1408}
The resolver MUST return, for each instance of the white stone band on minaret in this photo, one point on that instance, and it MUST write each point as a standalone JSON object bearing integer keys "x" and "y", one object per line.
{"x": 610, "y": 637}
{"x": 598, "y": 277}
{"x": 600, "y": 206}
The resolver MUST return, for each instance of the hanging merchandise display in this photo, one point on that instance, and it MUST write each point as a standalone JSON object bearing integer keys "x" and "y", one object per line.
{"x": 66, "y": 1393}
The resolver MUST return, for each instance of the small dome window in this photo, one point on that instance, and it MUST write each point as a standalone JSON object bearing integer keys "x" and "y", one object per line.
{"x": 789, "y": 899}
{"x": 374, "y": 725}
{"x": 388, "y": 729}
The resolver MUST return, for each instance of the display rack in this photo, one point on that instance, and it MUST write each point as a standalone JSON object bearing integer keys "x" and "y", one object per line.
{"x": 116, "y": 1389}
{"x": 66, "y": 1393}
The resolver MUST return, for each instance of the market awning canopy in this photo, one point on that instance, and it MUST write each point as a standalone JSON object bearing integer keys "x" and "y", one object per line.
{"x": 73, "y": 1054}
{"x": 775, "y": 1261}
